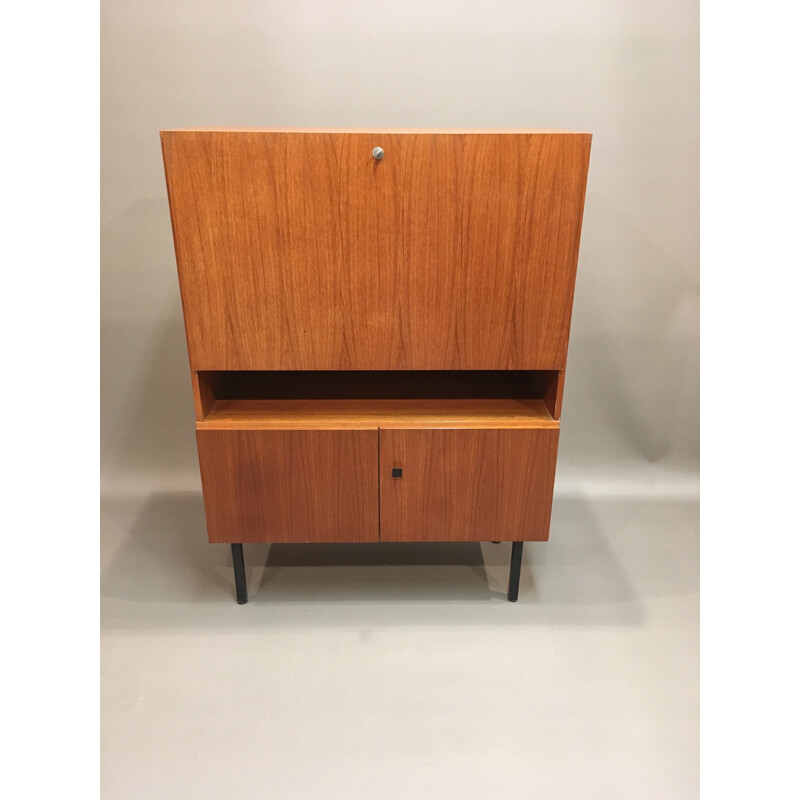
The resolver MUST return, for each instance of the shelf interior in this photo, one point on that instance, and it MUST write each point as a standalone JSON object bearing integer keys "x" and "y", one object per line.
{"x": 369, "y": 400}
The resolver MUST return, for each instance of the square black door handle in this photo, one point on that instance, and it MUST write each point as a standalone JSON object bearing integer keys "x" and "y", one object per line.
{"x": 397, "y": 473}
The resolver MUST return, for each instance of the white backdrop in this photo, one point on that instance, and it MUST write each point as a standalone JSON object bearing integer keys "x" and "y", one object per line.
{"x": 624, "y": 70}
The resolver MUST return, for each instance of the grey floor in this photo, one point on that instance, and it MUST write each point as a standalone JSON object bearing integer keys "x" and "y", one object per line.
{"x": 400, "y": 671}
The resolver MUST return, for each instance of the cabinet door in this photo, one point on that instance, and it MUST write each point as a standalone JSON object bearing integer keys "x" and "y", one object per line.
{"x": 301, "y": 251}
{"x": 289, "y": 486}
{"x": 467, "y": 485}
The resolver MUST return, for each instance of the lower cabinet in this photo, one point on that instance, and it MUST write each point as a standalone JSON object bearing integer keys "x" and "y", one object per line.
{"x": 466, "y": 485}
{"x": 377, "y": 485}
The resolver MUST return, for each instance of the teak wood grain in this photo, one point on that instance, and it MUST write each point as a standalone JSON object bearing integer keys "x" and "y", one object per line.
{"x": 554, "y": 394}
{"x": 467, "y": 485}
{"x": 290, "y": 486}
{"x": 203, "y": 388}
{"x": 297, "y": 250}
{"x": 372, "y": 414}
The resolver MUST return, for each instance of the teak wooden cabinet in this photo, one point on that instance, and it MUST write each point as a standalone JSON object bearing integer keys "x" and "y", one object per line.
{"x": 377, "y": 325}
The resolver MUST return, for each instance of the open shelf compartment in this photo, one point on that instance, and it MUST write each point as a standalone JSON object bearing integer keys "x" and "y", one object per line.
{"x": 255, "y": 400}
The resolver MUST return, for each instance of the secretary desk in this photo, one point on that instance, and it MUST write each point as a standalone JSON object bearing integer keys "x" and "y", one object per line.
{"x": 377, "y": 325}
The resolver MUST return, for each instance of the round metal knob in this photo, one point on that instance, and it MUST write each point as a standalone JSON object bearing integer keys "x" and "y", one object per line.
{"x": 377, "y": 153}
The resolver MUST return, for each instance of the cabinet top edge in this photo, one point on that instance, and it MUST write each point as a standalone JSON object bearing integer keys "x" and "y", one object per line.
{"x": 423, "y": 131}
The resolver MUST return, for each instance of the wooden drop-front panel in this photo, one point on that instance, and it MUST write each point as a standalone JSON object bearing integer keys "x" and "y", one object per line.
{"x": 298, "y": 250}
{"x": 467, "y": 485}
{"x": 290, "y": 486}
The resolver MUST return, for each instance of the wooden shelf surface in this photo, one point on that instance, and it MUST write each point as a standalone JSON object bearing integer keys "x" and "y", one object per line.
{"x": 369, "y": 414}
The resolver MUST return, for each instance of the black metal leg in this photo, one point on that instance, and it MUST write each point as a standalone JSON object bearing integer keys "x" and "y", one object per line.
{"x": 513, "y": 576}
{"x": 238, "y": 573}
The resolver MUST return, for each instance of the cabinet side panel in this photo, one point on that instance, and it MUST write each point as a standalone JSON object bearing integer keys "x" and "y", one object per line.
{"x": 467, "y": 485}
{"x": 289, "y": 486}
{"x": 553, "y": 395}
